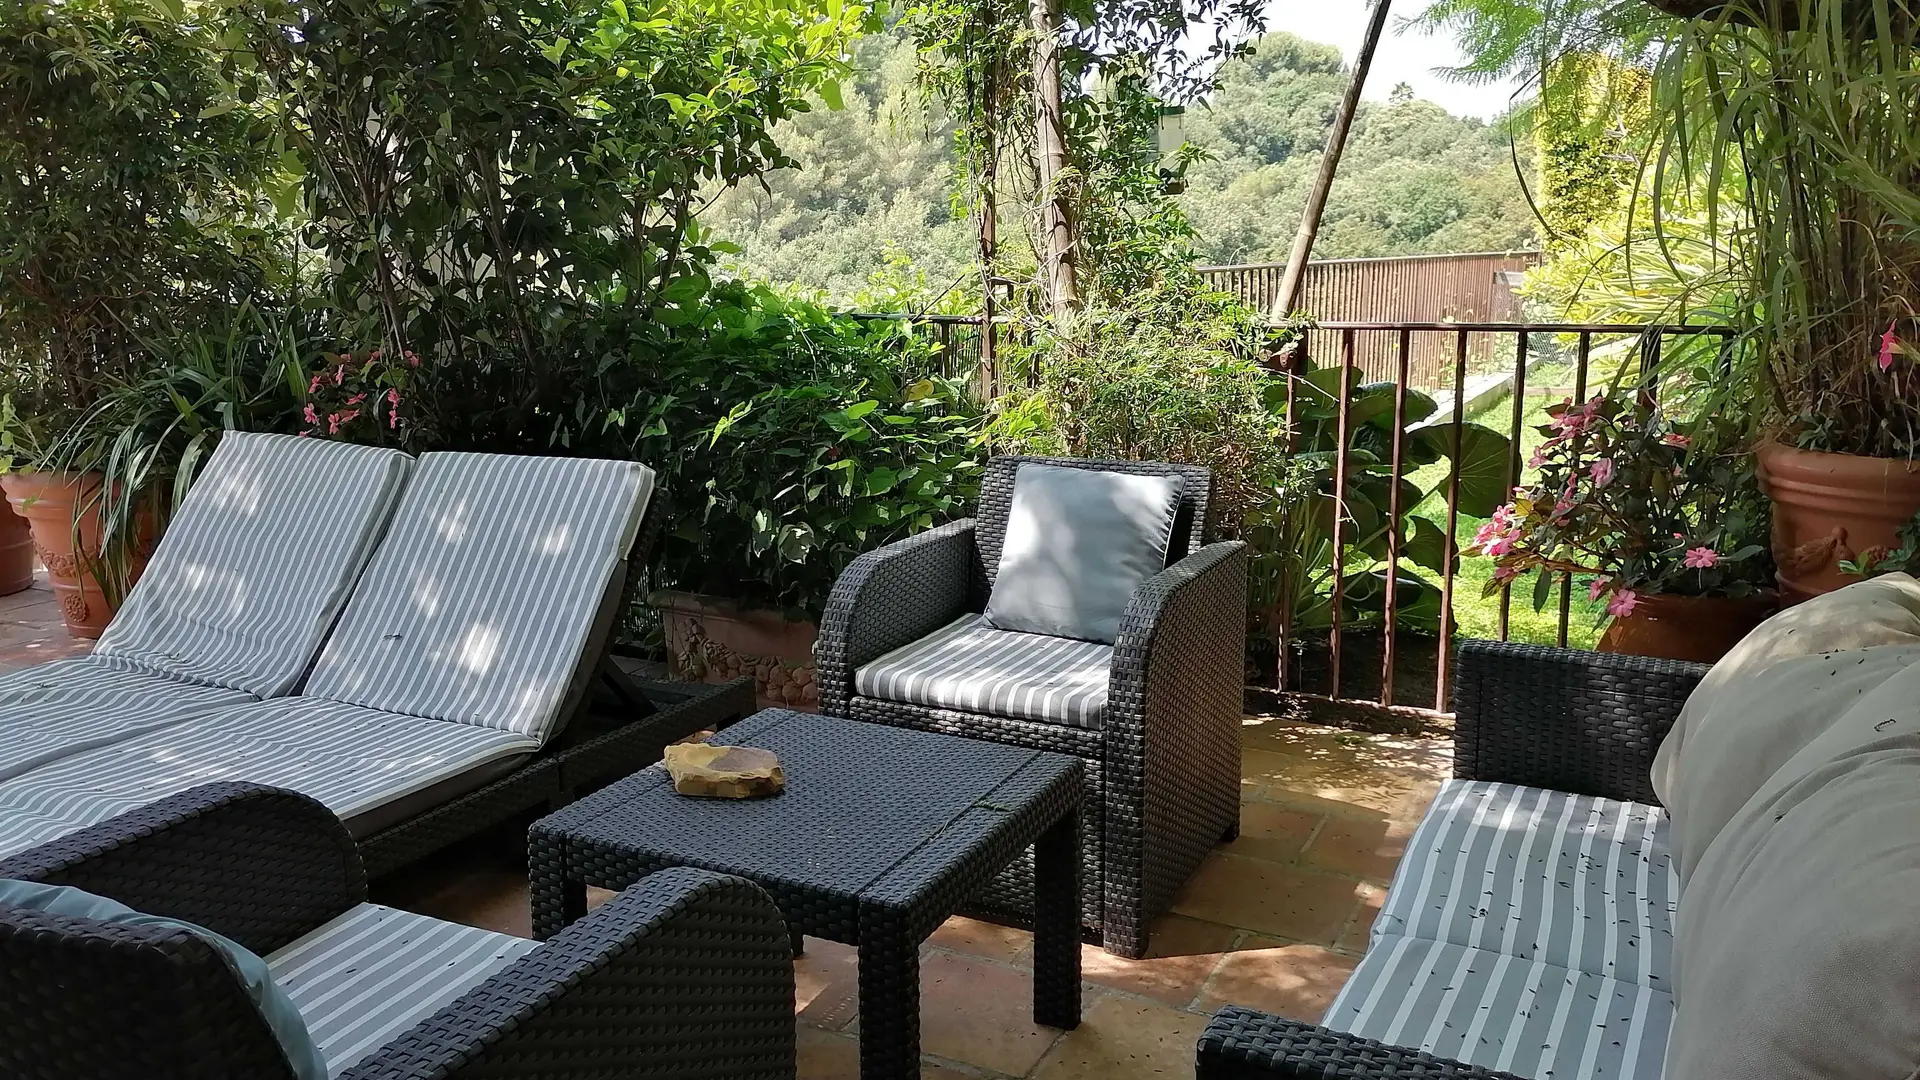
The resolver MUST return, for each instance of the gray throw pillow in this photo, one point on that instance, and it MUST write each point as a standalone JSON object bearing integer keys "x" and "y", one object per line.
{"x": 1079, "y": 541}
{"x": 276, "y": 1008}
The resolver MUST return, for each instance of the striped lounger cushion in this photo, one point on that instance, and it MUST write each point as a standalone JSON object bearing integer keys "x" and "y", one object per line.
{"x": 69, "y": 706}
{"x": 972, "y": 667}
{"x": 349, "y": 758}
{"x": 478, "y": 606}
{"x": 368, "y": 976}
{"x": 258, "y": 562}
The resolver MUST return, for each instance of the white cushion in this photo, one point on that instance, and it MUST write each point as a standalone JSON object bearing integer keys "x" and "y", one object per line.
{"x": 1078, "y": 543}
{"x": 1530, "y": 1018}
{"x": 349, "y": 758}
{"x": 51, "y": 710}
{"x": 971, "y": 667}
{"x": 365, "y": 978}
{"x": 477, "y": 606}
{"x": 1774, "y": 692}
{"x": 258, "y": 561}
{"x": 1575, "y": 881}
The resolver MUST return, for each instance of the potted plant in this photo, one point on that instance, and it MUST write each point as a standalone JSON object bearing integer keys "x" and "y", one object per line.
{"x": 1665, "y": 525}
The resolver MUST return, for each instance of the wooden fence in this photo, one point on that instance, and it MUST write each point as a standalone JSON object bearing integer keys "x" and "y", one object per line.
{"x": 1470, "y": 288}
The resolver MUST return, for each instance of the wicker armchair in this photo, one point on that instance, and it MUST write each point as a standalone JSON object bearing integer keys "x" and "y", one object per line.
{"x": 683, "y": 974}
{"x": 1564, "y": 720}
{"x": 1162, "y": 757}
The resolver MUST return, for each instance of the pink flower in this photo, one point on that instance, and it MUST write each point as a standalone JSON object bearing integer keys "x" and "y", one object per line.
{"x": 1596, "y": 587}
{"x": 333, "y": 423}
{"x": 413, "y": 358}
{"x": 356, "y": 399}
{"x": 1701, "y": 558}
{"x": 372, "y": 356}
{"x": 1538, "y": 459}
{"x": 314, "y": 386}
{"x": 1623, "y": 603}
{"x": 1602, "y": 471}
{"x": 1504, "y": 574}
{"x": 1501, "y": 545}
{"x": 1677, "y": 439}
{"x": 340, "y": 375}
{"x": 348, "y": 414}
{"x": 313, "y": 418}
{"x": 393, "y": 397}
{"x": 1887, "y": 343}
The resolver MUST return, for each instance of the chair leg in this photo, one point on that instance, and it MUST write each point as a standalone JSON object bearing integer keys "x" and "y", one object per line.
{"x": 1233, "y": 831}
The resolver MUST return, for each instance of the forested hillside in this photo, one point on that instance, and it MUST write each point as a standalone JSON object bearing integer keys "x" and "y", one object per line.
{"x": 873, "y": 202}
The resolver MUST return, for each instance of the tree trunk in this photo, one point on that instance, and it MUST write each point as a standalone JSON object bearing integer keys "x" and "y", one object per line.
{"x": 1289, "y": 294}
{"x": 1059, "y": 252}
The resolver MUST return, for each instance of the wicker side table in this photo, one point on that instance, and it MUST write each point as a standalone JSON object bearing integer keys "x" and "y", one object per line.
{"x": 880, "y": 835}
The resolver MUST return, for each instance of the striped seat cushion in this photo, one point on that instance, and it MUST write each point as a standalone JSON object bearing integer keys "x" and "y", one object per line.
{"x": 257, "y": 562}
{"x": 972, "y": 667}
{"x": 368, "y": 976}
{"x": 69, "y": 706}
{"x": 1571, "y": 880}
{"x": 478, "y": 605}
{"x": 349, "y": 758}
{"x": 1499, "y": 1012}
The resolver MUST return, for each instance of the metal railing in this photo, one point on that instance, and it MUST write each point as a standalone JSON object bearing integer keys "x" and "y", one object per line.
{"x": 1561, "y": 351}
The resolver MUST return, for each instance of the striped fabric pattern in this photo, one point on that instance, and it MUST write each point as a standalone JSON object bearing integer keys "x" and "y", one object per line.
{"x": 258, "y": 562}
{"x": 1500, "y": 1012}
{"x": 373, "y": 973}
{"x": 349, "y": 758}
{"x": 477, "y": 607}
{"x": 1570, "y": 880}
{"x": 972, "y": 667}
{"x": 69, "y": 706}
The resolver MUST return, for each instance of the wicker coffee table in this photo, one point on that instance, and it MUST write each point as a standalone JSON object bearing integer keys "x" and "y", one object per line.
{"x": 880, "y": 835}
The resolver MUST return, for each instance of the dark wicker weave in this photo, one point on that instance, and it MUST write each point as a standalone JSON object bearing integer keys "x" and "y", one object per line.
{"x": 686, "y": 974}
{"x": 1163, "y": 776}
{"x": 1555, "y": 718}
{"x": 880, "y": 835}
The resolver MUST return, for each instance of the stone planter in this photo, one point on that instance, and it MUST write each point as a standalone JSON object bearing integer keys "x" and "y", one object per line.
{"x": 16, "y": 552}
{"x": 1828, "y": 508}
{"x": 1698, "y": 628}
{"x": 47, "y": 501}
{"x": 713, "y": 640}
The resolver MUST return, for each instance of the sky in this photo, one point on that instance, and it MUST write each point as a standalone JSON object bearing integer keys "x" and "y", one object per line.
{"x": 1404, "y": 55}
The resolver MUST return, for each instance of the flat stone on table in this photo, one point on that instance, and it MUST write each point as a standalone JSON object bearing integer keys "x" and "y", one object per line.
{"x": 724, "y": 772}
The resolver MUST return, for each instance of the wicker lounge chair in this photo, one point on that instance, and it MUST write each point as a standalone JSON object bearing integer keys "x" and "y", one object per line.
{"x": 1529, "y": 931}
{"x": 1156, "y": 718}
{"x": 234, "y": 604}
{"x": 684, "y": 974}
{"x": 466, "y": 679}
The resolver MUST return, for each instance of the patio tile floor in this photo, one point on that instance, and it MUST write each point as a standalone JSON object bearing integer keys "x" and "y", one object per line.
{"x": 1275, "y": 920}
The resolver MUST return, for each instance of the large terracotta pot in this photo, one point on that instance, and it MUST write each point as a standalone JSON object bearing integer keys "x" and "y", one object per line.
{"x": 1828, "y": 508}
{"x": 1698, "y": 628}
{"x": 16, "y": 552}
{"x": 714, "y": 640}
{"x": 47, "y": 501}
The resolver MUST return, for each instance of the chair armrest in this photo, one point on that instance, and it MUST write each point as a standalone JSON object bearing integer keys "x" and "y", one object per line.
{"x": 889, "y": 597}
{"x": 1565, "y": 719}
{"x": 1174, "y": 702}
{"x": 257, "y": 864}
{"x": 1241, "y": 1044}
{"x": 685, "y": 973}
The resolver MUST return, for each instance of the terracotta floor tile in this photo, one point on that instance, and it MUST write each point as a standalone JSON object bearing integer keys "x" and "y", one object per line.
{"x": 1338, "y": 785}
{"x": 980, "y": 1013}
{"x": 827, "y": 1055}
{"x": 827, "y": 976}
{"x": 1126, "y": 1039}
{"x": 1273, "y": 832}
{"x": 976, "y": 938}
{"x": 1182, "y": 952}
{"x": 1354, "y": 938}
{"x": 1359, "y": 749}
{"x": 1296, "y": 981}
{"x": 1352, "y": 845}
{"x": 1269, "y": 898}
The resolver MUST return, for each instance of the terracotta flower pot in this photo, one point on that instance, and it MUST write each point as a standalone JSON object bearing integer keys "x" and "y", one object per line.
{"x": 714, "y": 640}
{"x": 1697, "y": 628}
{"x": 47, "y": 500}
{"x": 16, "y": 552}
{"x": 1828, "y": 508}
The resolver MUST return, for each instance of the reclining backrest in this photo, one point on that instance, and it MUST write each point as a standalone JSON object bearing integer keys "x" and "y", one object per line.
{"x": 479, "y": 603}
{"x": 257, "y": 563}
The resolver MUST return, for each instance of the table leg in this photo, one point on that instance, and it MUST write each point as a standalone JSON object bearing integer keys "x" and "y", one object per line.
{"x": 889, "y": 1007}
{"x": 557, "y": 898}
{"x": 1056, "y": 925}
